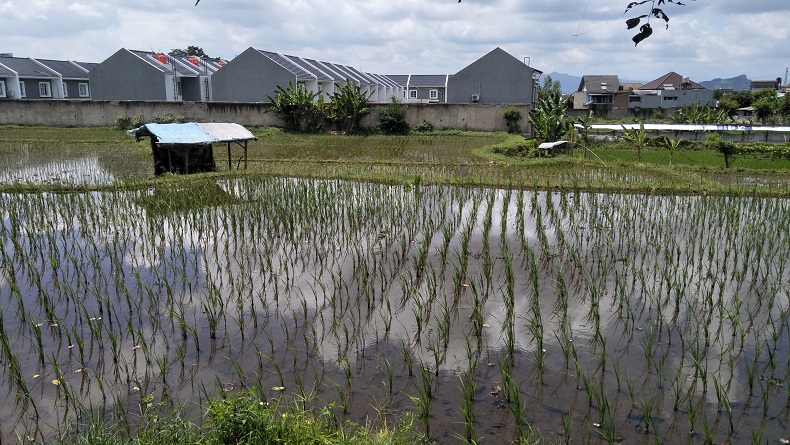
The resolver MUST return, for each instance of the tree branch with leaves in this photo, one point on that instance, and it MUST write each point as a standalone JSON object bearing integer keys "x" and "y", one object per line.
{"x": 645, "y": 30}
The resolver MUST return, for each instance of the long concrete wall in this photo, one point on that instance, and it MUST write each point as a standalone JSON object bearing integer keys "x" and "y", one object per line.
{"x": 91, "y": 113}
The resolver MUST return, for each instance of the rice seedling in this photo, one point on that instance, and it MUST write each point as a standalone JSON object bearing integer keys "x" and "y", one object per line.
{"x": 318, "y": 277}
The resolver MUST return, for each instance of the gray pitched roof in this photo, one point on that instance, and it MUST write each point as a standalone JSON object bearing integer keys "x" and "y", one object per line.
{"x": 66, "y": 69}
{"x": 300, "y": 72}
{"x": 599, "y": 84}
{"x": 25, "y": 67}
{"x": 428, "y": 80}
{"x": 150, "y": 57}
{"x": 400, "y": 79}
{"x": 87, "y": 65}
{"x": 316, "y": 69}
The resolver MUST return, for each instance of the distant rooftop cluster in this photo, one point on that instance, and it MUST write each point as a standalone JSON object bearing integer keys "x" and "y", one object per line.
{"x": 254, "y": 76}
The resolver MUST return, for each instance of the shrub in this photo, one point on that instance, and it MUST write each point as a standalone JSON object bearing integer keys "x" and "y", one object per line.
{"x": 127, "y": 123}
{"x": 512, "y": 117}
{"x": 422, "y": 127}
{"x": 517, "y": 146}
{"x": 123, "y": 122}
{"x": 168, "y": 119}
{"x": 392, "y": 118}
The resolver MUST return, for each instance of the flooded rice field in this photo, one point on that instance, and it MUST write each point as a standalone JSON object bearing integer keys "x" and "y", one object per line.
{"x": 490, "y": 314}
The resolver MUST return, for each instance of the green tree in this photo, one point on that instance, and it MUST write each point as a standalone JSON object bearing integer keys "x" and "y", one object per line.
{"x": 784, "y": 107}
{"x": 349, "y": 104}
{"x": 638, "y": 137}
{"x": 190, "y": 51}
{"x": 550, "y": 87}
{"x": 765, "y": 108}
{"x": 743, "y": 98}
{"x": 765, "y": 104}
{"x": 549, "y": 120}
{"x": 728, "y": 106}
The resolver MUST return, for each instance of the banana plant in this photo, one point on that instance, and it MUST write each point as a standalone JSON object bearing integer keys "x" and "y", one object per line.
{"x": 637, "y": 136}
{"x": 548, "y": 119}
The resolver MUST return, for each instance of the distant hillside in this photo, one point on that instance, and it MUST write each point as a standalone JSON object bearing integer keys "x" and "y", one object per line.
{"x": 733, "y": 83}
{"x": 568, "y": 83}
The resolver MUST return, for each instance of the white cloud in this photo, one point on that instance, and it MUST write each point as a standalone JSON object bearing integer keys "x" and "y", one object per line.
{"x": 706, "y": 38}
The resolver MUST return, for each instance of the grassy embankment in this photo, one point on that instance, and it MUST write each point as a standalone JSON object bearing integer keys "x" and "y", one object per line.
{"x": 464, "y": 158}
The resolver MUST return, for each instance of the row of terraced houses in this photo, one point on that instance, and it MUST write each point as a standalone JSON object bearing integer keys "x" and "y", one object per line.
{"x": 255, "y": 75}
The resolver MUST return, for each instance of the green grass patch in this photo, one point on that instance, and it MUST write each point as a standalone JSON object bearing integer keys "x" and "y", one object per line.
{"x": 438, "y": 157}
{"x": 246, "y": 419}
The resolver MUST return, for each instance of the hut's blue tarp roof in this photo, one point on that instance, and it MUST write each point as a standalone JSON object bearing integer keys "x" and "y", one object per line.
{"x": 194, "y": 133}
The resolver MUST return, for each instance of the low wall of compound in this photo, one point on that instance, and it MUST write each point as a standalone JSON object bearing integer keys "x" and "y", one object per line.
{"x": 93, "y": 113}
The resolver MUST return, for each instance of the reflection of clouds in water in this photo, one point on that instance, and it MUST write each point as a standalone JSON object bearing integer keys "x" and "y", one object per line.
{"x": 81, "y": 171}
{"x": 329, "y": 262}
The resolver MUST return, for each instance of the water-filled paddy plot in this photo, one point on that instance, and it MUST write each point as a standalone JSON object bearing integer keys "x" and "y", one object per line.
{"x": 488, "y": 313}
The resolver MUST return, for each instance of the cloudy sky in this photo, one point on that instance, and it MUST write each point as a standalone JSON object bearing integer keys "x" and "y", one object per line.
{"x": 706, "y": 39}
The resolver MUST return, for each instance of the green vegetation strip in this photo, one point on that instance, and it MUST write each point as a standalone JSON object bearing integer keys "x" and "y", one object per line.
{"x": 245, "y": 418}
{"x": 447, "y": 157}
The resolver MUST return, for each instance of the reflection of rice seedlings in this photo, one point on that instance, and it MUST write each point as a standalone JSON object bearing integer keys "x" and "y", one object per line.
{"x": 423, "y": 398}
{"x": 407, "y": 358}
{"x": 467, "y": 405}
{"x": 444, "y": 322}
{"x": 647, "y": 410}
{"x": 567, "y": 426}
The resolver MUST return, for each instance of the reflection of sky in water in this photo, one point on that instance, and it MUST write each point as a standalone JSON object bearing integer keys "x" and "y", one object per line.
{"x": 326, "y": 262}
{"x": 81, "y": 171}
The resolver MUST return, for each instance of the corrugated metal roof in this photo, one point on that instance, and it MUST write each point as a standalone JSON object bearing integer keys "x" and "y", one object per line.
{"x": 685, "y": 127}
{"x": 194, "y": 133}
{"x": 227, "y": 132}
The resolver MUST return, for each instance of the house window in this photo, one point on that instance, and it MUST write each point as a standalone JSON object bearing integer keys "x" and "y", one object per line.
{"x": 83, "y": 89}
{"x": 601, "y": 99}
{"x": 404, "y": 94}
{"x": 2, "y": 88}
{"x": 670, "y": 98}
{"x": 22, "y": 92}
{"x": 412, "y": 94}
{"x": 634, "y": 99}
{"x": 65, "y": 89}
{"x": 43, "y": 89}
{"x": 433, "y": 94}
